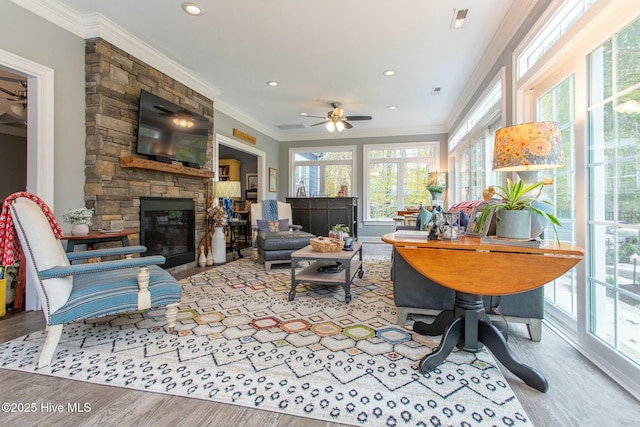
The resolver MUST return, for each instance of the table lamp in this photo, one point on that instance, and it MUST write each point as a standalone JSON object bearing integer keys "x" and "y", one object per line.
{"x": 227, "y": 190}
{"x": 525, "y": 149}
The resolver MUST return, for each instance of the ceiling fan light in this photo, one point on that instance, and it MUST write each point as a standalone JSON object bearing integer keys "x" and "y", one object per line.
{"x": 182, "y": 122}
{"x": 330, "y": 126}
{"x": 17, "y": 109}
{"x": 339, "y": 125}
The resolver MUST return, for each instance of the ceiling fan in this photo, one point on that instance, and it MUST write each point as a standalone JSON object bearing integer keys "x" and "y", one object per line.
{"x": 336, "y": 120}
{"x": 182, "y": 118}
{"x": 18, "y": 96}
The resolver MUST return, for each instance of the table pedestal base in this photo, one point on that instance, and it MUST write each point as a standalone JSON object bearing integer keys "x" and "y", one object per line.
{"x": 468, "y": 327}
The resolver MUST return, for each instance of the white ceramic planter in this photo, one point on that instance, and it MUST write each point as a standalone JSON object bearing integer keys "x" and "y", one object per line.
{"x": 80, "y": 229}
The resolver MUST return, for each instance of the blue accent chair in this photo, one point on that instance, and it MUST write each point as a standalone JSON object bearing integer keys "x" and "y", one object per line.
{"x": 75, "y": 292}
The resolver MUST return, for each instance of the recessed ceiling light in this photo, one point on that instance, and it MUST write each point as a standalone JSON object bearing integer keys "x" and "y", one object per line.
{"x": 393, "y": 107}
{"x": 389, "y": 73}
{"x": 272, "y": 83}
{"x": 304, "y": 114}
{"x": 192, "y": 8}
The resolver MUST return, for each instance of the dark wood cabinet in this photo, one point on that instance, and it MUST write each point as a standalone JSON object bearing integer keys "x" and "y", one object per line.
{"x": 317, "y": 215}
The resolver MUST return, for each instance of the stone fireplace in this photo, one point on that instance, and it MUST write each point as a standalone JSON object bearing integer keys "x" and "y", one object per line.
{"x": 115, "y": 186}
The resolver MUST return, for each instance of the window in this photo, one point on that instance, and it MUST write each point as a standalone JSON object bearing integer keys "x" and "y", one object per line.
{"x": 472, "y": 165}
{"x": 561, "y": 21}
{"x": 558, "y": 105}
{"x": 396, "y": 177}
{"x": 322, "y": 171}
{"x": 614, "y": 165}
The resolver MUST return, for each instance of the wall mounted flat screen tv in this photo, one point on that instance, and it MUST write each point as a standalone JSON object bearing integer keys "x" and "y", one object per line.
{"x": 168, "y": 132}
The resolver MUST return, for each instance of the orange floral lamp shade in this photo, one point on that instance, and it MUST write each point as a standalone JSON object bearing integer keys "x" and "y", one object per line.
{"x": 528, "y": 146}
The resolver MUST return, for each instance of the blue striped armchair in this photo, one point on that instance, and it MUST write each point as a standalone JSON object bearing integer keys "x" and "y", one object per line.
{"x": 74, "y": 292}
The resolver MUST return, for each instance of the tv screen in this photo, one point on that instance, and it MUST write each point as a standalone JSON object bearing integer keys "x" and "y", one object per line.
{"x": 167, "y": 131}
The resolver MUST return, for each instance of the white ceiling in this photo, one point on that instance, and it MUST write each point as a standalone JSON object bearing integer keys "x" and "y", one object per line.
{"x": 325, "y": 51}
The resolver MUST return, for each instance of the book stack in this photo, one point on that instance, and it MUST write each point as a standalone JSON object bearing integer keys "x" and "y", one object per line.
{"x": 525, "y": 243}
{"x": 413, "y": 233}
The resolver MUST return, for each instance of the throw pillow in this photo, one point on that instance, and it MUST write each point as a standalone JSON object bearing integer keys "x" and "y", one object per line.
{"x": 425, "y": 218}
{"x": 275, "y": 225}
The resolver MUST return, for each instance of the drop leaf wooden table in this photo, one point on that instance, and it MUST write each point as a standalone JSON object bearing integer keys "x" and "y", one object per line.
{"x": 474, "y": 269}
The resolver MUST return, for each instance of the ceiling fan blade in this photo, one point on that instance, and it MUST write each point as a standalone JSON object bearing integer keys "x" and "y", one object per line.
{"x": 347, "y": 125}
{"x": 164, "y": 110}
{"x": 317, "y": 117}
{"x": 11, "y": 79}
{"x": 321, "y": 123}
{"x": 354, "y": 118}
{"x": 8, "y": 92}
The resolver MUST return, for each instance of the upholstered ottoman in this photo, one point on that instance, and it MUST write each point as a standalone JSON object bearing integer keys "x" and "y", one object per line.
{"x": 276, "y": 247}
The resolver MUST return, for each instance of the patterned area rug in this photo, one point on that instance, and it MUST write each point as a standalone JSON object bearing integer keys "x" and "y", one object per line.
{"x": 242, "y": 342}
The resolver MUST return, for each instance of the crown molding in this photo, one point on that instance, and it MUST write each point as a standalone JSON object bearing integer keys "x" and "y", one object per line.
{"x": 95, "y": 25}
{"x": 366, "y": 133}
{"x": 54, "y": 12}
{"x": 245, "y": 119}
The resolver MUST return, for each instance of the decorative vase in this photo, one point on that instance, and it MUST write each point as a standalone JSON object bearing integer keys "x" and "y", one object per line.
{"x": 219, "y": 245}
{"x": 80, "y": 229}
{"x": 202, "y": 259}
{"x": 513, "y": 224}
{"x": 435, "y": 195}
{"x": 210, "y": 256}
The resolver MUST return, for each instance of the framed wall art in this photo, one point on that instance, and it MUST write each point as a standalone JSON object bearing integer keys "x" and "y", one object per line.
{"x": 273, "y": 180}
{"x": 251, "y": 181}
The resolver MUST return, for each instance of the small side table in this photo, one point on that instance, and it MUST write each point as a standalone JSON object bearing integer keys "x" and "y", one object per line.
{"x": 236, "y": 224}
{"x": 99, "y": 237}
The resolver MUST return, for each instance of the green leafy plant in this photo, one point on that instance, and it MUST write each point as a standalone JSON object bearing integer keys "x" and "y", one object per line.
{"x": 437, "y": 188}
{"x": 78, "y": 216}
{"x": 341, "y": 227}
{"x": 516, "y": 197}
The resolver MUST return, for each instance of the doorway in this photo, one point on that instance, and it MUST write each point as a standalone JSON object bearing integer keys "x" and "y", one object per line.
{"x": 40, "y": 136}
{"x": 223, "y": 143}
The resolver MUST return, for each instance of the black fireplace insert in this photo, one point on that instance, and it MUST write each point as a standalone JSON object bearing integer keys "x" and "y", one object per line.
{"x": 167, "y": 228}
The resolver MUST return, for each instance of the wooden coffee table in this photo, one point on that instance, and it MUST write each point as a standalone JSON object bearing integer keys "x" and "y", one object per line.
{"x": 352, "y": 266}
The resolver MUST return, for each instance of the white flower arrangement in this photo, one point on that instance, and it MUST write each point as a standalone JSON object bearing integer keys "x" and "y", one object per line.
{"x": 78, "y": 216}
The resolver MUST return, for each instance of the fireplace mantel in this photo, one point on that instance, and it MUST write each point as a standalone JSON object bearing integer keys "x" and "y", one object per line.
{"x": 134, "y": 162}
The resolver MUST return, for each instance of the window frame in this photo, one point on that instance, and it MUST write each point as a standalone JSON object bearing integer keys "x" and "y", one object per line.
{"x": 293, "y": 185}
{"x": 366, "y": 148}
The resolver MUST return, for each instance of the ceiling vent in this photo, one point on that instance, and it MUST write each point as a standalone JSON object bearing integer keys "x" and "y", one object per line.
{"x": 459, "y": 17}
{"x": 436, "y": 91}
{"x": 291, "y": 127}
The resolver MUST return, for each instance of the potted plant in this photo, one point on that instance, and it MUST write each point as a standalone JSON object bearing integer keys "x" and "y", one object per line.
{"x": 521, "y": 198}
{"x": 339, "y": 231}
{"x": 436, "y": 189}
{"x": 80, "y": 220}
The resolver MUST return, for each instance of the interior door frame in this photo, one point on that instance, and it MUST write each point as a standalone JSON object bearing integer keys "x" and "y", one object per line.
{"x": 240, "y": 146}
{"x": 40, "y": 138}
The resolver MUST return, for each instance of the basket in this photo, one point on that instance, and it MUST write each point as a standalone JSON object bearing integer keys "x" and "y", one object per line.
{"x": 325, "y": 244}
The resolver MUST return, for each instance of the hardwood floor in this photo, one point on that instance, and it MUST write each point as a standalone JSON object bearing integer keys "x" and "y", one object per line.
{"x": 579, "y": 393}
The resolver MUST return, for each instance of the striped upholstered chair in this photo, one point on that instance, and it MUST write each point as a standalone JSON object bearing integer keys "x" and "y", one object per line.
{"x": 74, "y": 292}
